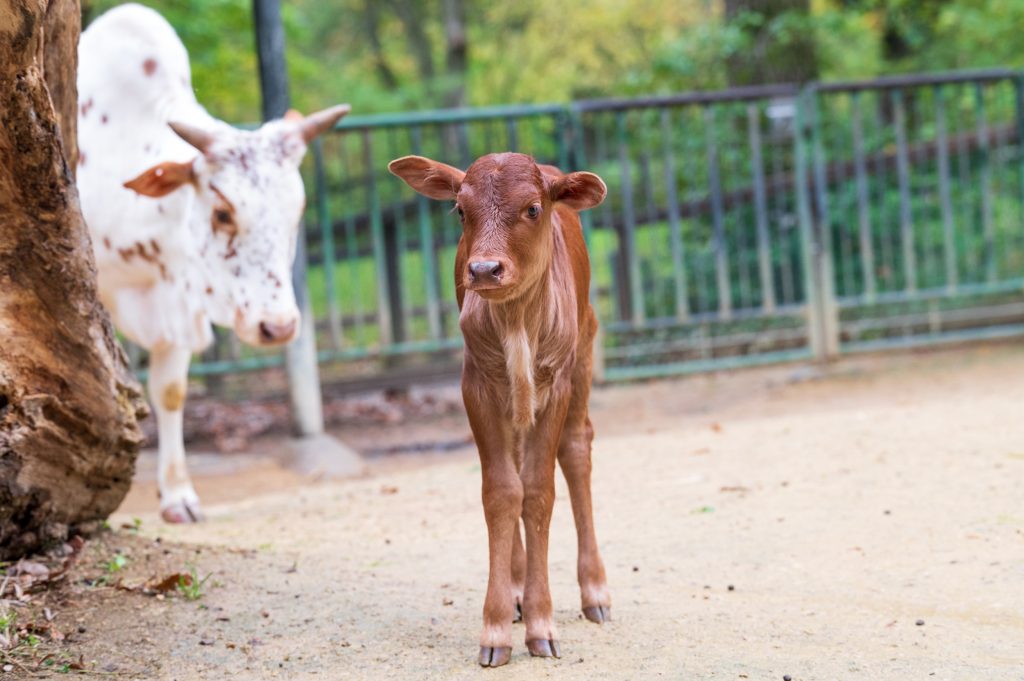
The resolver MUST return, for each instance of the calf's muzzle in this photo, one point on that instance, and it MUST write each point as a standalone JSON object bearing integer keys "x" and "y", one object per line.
{"x": 485, "y": 272}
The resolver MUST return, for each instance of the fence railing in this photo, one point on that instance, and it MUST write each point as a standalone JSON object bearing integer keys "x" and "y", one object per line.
{"x": 742, "y": 226}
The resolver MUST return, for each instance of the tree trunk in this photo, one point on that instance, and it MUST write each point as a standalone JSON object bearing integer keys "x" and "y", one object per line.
{"x": 68, "y": 404}
{"x": 771, "y": 56}
{"x": 456, "y": 52}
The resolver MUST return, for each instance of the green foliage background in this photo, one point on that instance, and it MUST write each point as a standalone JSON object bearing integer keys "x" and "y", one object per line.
{"x": 532, "y": 51}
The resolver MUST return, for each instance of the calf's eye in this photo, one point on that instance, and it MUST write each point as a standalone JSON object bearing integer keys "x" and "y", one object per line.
{"x": 222, "y": 216}
{"x": 533, "y": 211}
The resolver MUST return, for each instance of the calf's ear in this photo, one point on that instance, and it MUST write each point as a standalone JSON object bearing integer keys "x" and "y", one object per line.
{"x": 162, "y": 179}
{"x": 430, "y": 178}
{"x": 579, "y": 191}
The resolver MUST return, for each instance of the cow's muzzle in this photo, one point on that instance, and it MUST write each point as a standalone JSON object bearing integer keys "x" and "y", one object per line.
{"x": 272, "y": 333}
{"x": 486, "y": 274}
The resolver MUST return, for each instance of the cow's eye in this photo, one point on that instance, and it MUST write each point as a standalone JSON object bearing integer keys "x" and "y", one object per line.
{"x": 462, "y": 213}
{"x": 222, "y": 216}
{"x": 533, "y": 211}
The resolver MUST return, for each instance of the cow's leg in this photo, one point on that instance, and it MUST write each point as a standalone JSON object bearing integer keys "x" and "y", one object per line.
{"x": 574, "y": 460}
{"x": 518, "y": 572}
{"x": 502, "y": 493}
{"x": 538, "y": 475}
{"x": 168, "y": 375}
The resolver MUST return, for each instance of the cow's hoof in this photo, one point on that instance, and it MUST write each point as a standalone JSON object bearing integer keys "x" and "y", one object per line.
{"x": 494, "y": 657}
{"x": 598, "y": 613}
{"x": 543, "y": 647}
{"x": 182, "y": 512}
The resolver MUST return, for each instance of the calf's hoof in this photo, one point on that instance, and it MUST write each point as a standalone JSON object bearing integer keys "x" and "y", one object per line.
{"x": 542, "y": 647}
{"x": 598, "y": 613}
{"x": 182, "y": 512}
{"x": 494, "y": 657}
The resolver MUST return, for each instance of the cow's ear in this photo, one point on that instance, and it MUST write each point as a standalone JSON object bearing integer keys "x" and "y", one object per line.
{"x": 430, "y": 178}
{"x": 579, "y": 191}
{"x": 162, "y": 179}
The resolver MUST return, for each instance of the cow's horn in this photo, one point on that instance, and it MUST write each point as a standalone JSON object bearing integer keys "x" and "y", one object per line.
{"x": 322, "y": 121}
{"x": 198, "y": 138}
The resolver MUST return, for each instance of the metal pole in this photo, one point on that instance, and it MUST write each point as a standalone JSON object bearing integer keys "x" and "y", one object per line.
{"x": 300, "y": 356}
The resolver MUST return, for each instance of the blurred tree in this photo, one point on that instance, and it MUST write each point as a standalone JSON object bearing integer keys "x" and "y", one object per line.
{"x": 395, "y": 55}
{"x": 778, "y": 43}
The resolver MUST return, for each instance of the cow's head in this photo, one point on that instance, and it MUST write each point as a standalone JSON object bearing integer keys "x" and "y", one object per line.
{"x": 505, "y": 202}
{"x": 249, "y": 199}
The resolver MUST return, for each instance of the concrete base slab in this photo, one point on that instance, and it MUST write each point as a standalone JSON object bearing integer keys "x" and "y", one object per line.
{"x": 323, "y": 456}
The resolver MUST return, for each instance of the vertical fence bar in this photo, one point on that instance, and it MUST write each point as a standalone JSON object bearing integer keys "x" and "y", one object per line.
{"x": 563, "y": 137}
{"x": 809, "y": 244}
{"x": 1018, "y": 110}
{"x": 985, "y": 179}
{"x": 867, "y": 253}
{"x": 394, "y": 250}
{"x": 903, "y": 177}
{"x": 327, "y": 245}
{"x": 511, "y": 134}
{"x": 948, "y": 226}
{"x": 717, "y": 216}
{"x": 760, "y": 208}
{"x": 427, "y": 248}
{"x": 674, "y": 224}
{"x": 380, "y": 259}
{"x": 352, "y": 258}
{"x": 828, "y": 310}
{"x": 577, "y": 153}
{"x": 628, "y": 238}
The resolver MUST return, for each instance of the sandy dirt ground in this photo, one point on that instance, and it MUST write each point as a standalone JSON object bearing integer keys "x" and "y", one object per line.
{"x": 864, "y": 522}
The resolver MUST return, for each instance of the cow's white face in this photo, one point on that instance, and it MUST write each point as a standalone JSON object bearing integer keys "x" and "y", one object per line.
{"x": 249, "y": 199}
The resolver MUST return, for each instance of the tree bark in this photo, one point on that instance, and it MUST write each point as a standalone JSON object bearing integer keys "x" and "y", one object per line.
{"x": 68, "y": 405}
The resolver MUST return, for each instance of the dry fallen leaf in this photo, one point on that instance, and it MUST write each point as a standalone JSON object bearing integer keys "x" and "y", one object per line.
{"x": 167, "y": 584}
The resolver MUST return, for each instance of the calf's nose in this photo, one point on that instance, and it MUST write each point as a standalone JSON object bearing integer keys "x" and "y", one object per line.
{"x": 484, "y": 268}
{"x": 277, "y": 333}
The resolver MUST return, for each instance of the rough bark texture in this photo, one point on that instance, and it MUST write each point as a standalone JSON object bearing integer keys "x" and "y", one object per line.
{"x": 68, "y": 404}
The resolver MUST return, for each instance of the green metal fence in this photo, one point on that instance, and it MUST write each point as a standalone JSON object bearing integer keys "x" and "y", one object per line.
{"x": 742, "y": 226}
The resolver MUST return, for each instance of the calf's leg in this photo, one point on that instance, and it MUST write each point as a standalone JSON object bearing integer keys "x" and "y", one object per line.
{"x": 168, "y": 375}
{"x": 518, "y": 572}
{"x": 502, "y": 493}
{"x": 575, "y": 461}
{"x": 538, "y": 475}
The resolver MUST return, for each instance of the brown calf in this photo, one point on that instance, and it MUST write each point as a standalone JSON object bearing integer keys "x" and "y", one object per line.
{"x": 522, "y": 278}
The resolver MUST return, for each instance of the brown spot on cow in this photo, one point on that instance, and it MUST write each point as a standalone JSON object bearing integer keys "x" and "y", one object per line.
{"x": 149, "y": 66}
{"x": 176, "y": 474}
{"x": 106, "y": 242}
{"x": 173, "y": 397}
{"x": 104, "y": 119}
{"x": 86, "y": 105}
{"x": 81, "y": 157}
{"x": 209, "y": 291}
{"x": 155, "y": 246}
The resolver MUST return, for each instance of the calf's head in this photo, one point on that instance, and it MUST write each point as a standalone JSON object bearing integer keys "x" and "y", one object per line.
{"x": 506, "y": 205}
{"x": 249, "y": 198}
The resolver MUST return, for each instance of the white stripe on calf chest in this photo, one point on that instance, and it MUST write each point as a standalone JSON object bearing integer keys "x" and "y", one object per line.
{"x": 519, "y": 366}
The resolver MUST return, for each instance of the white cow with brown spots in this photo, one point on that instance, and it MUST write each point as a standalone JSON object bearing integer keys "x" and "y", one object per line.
{"x": 193, "y": 221}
